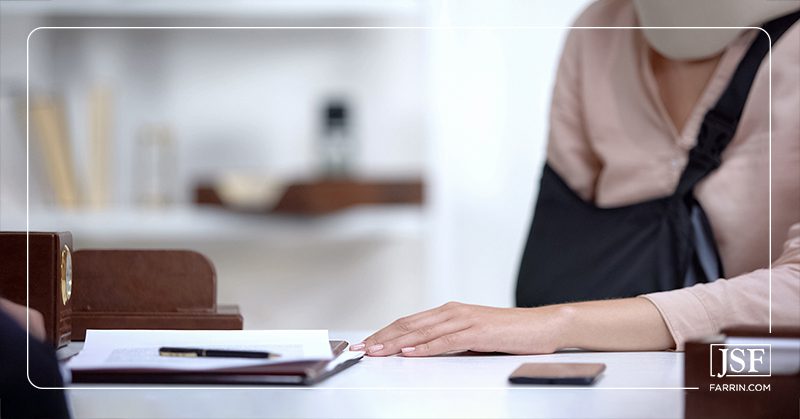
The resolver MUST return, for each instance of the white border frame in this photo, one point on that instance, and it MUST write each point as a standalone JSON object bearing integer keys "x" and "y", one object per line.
{"x": 432, "y": 27}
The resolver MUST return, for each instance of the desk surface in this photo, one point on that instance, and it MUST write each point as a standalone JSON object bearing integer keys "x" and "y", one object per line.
{"x": 635, "y": 384}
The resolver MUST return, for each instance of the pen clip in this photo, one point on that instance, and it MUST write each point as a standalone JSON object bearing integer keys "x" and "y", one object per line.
{"x": 188, "y": 353}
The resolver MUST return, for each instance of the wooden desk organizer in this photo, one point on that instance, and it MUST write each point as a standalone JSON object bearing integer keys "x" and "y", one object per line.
{"x": 146, "y": 289}
{"x": 110, "y": 289}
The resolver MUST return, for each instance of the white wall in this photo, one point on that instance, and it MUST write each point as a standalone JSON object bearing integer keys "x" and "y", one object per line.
{"x": 491, "y": 90}
{"x": 465, "y": 106}
{"x": 244, "y": 99}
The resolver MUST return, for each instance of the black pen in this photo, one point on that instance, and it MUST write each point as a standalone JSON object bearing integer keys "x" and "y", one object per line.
{"x": 213, "y": 353}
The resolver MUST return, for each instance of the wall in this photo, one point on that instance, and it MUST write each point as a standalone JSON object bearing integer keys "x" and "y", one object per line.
{"x": 491, "y": 90}
{"x": 463, "y": 104}
{"x": 246, "y": 99}
{"x": 241, "y": 99}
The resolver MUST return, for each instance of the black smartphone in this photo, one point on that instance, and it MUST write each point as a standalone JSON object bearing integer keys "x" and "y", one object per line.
{"x": 565, "y": 373}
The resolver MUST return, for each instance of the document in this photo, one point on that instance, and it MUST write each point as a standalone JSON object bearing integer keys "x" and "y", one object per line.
{"x": 138, "y": 349}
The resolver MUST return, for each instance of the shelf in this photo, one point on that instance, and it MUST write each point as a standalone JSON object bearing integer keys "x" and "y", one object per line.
{"x": 214, "y": 8}
{"x": 190, "y": 224}
{"x": 326, "y": 196}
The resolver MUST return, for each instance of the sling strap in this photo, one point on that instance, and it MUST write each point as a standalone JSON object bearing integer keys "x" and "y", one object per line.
{"x": 720, "y": 122}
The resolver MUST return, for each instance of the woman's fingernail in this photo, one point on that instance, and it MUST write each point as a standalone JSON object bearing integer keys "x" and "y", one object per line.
{"x": 408, "y": 350}
{"x": 375, "y": 348}
{"x": 358, "y": 346}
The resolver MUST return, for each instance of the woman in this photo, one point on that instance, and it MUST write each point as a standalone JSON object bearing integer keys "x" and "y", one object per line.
{"x": 626, "y": 111}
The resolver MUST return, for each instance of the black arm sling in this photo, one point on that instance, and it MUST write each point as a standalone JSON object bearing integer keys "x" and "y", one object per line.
{"x": 577, "y": 251}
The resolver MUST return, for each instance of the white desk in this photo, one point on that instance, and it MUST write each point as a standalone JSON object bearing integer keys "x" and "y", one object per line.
{"x": 635, "y": 384}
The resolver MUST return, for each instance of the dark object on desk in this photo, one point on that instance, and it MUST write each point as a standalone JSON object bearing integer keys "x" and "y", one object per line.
{"x": 577, "y": 251}
{"x": 50, "y": 256}
{"x": 329, "y": 195}
{"x": 289, "y": 373}
{"x": 147, "y": 289}
{"x": 558, "y": 373}
{"x": 735, "y": 395}
{"x": 18, "y": 398}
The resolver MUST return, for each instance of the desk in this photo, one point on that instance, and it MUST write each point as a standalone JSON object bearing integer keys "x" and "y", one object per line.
{"x": 633, "y": 385}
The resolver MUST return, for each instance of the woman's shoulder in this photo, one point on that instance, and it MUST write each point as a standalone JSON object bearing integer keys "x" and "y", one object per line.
{"x": 599, "y": 46}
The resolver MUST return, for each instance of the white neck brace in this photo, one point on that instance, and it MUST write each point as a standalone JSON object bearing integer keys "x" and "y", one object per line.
{"x": 694, "y": 44}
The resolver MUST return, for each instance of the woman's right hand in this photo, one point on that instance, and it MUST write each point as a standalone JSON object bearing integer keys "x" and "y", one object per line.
{"x": 19, "y": 313}
{"x": 460, "y": 327}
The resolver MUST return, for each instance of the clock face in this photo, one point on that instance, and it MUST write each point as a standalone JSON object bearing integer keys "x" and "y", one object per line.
{"x": 66, "y": 274}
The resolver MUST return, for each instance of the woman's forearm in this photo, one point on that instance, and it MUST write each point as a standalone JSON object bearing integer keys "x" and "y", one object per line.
{"x": 631, "y": 324}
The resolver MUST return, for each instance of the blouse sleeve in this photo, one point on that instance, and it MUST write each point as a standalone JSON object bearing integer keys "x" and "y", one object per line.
{"x": 705, "y": 309}
{"x": 568, "y": 149}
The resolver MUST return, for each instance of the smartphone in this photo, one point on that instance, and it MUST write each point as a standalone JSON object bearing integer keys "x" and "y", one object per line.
{"x": 567, "y": 373}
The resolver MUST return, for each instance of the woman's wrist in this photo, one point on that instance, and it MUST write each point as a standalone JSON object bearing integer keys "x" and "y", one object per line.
{"x": 552, "y": 327}
{"x": 565, "y": 317}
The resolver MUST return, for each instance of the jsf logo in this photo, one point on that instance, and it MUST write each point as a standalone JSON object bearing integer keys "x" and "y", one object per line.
{"x": 740, "y": 360}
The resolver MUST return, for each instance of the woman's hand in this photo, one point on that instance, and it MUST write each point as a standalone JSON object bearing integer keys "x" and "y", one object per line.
{"x": 460, "y": 327}
{"x": 19, "y": 313}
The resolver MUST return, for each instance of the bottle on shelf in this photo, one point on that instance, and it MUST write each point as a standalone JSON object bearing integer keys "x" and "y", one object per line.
{"x": 336, "y": 143}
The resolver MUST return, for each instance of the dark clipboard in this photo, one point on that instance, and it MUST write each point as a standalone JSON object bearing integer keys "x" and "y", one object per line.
{"x": 288, "y": 374}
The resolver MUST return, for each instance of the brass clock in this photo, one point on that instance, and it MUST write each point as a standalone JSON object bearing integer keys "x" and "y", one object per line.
{"x": 66, "y": 274}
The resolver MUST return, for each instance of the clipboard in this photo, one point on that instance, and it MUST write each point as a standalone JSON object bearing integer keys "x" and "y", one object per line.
{"x": 304, "y": 373}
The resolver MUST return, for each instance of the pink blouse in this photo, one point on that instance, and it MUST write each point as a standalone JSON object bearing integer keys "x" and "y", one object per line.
{"x": 613, "y": 143}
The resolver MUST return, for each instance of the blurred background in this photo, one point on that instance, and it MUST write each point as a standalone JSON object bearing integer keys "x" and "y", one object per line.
{"x": 337, "y": 178}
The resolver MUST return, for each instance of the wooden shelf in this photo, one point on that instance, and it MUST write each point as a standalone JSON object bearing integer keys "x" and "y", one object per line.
{"x": 328, "y": 196}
